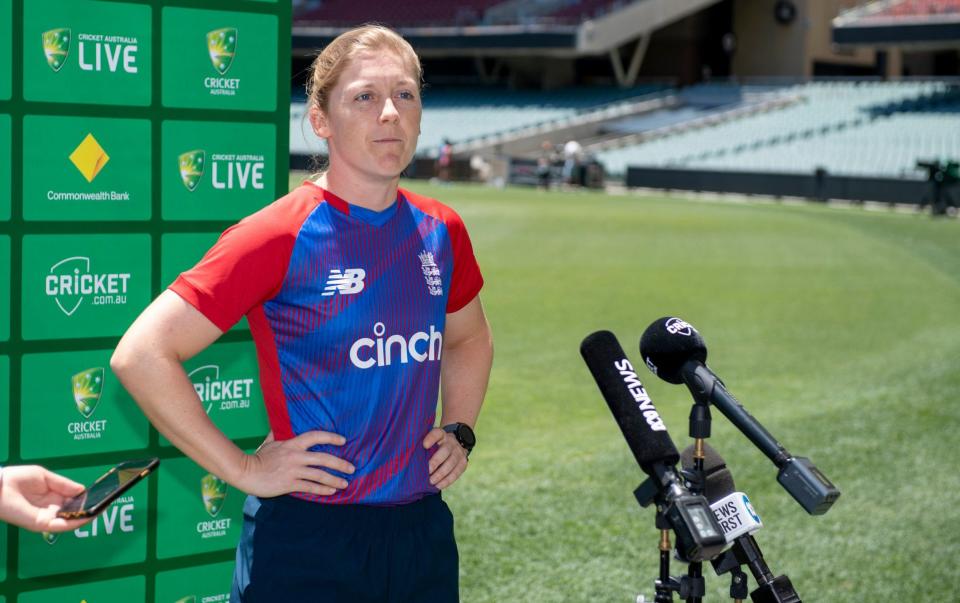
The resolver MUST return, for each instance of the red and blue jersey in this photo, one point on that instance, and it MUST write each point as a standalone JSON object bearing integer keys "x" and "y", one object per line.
{"x": 347, "y": 308}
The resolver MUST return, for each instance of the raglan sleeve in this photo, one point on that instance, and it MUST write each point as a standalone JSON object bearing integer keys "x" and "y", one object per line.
{"x": 244, "y": 268}
{"x": 467, "y": 280}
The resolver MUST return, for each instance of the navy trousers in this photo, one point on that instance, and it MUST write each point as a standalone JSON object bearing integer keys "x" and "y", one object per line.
{"x": 293, "y": 550}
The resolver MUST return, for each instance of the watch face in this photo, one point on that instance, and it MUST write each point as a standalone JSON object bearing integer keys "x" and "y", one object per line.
{"x": 466, "y": 436}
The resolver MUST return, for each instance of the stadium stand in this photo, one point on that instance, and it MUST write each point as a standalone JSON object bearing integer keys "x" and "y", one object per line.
{"x": 421, "y": 13}
{"x": 464, "y": 114}
{"x": 864, "y": 128}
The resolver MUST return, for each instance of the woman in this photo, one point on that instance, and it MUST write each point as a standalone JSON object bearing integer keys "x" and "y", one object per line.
{"x": 354, "y": 290}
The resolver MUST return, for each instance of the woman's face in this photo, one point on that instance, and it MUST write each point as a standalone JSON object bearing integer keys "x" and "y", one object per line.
{"x": 372, "y": 120}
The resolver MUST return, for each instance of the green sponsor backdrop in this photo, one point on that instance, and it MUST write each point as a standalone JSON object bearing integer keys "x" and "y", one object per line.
{"x": 82, "y": 51}
{"x": 110, "y": 272}
{"x": 92, "y": 195}
{"x": 217, "y": 170}
{"x": 227, "y": 379}
{"x": 6, "y": 188}
{"x": 219, "y": 60}
{"x": 113, "y": 591}
{"x": 115, "y": 537}
{"x": 3, "y": 553}
{"x": 207, "y": 583}
{"x": 4, "y": 422}
{"x": 72, "y": 404}
{"x": 196, "y": 511}
{"x": 181, "y": 252}
{"x": 6, "y": 48}
{"x": 82, "y": 168}
{"x": 4, "y": 288}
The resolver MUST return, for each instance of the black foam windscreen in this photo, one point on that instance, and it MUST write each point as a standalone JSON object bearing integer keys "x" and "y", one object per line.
{"x": 627, "y": 399}
{"x": 718, "y": 481}
{"x": 667, "y": 344}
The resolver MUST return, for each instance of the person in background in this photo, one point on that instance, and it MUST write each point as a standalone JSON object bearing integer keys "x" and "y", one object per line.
{"x": 572, "y": 152}
{"x": 31, "y": 496}
{"x": 354, "y": 290}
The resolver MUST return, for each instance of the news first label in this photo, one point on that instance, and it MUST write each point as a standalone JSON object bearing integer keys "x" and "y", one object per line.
{"x": 83, "y": 285}
{"x": 219, "y": 59}
{"x": 123, "y": 590}
{"x": 83, "y": 51}
{"x": 217, "y": 170}
{"x": 75, "y": 405}
{"x": 117, "y": 536}
{"x": 86, "y": 168}
{"x": 226, "y": 378}
{"x": 198, "y": 512}
{"x": 203, "y": 584}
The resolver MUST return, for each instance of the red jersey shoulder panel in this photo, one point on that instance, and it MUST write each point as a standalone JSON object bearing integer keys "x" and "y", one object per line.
{"x": 247, "y": 264}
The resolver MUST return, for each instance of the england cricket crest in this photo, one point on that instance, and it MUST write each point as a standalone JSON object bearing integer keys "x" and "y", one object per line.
{"x": 87, "y": 387}
{"x": 214, "y": 491}
{"x": 222, "y": 45}
{"x": 56, "y": 47}
{"x": 191, "y": 168}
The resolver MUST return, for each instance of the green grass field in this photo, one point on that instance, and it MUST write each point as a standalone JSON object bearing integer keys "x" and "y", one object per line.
{"x": 839, "y": 329}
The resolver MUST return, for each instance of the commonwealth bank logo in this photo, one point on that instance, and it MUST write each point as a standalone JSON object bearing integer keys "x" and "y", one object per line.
{"x": 222, "y": 46}
{"x": 87, "y": 387}
{"x": 49, "y": 537}
{"x": 56, "y": 47}
{"x": 89, "y": 157}
{"x": 191, "y": 168}
{"x": 214, "y": 491}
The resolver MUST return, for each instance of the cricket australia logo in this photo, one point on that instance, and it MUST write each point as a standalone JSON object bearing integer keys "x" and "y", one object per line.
{"x": 49, "y": 537}
{"x": 87, "y": 388}
{"x": 56, "y": 47}
{"x": 346, "y": 282}
{"x": 214, "y": 491}
{"x": 431, "y": 273}
{"x": 222, "y": 46}
{"x": 191, "y": 168}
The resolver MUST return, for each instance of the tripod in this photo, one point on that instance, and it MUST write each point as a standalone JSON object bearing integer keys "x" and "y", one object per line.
{"x": 744, "y": 550}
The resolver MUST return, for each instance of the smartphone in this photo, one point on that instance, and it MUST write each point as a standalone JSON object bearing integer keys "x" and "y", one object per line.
{"x": 107, "y": 489}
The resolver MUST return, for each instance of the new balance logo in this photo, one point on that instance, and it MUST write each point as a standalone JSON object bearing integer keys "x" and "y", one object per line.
{"x": 347, "y": 282}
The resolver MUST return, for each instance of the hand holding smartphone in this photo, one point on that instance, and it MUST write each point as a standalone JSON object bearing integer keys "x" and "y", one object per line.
{"x": 106, "y": 489}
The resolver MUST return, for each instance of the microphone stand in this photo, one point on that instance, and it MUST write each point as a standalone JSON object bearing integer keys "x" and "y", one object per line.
{"x": 699, "y": 431}
{"x": 744, "y": 550}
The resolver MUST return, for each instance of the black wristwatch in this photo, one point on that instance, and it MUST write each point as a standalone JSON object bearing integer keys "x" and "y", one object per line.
{"x": 464, "y": 435}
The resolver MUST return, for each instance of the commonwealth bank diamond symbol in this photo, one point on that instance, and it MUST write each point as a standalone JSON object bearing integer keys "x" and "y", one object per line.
{"x": 214, "y": 491}
{"x": 191, "y": 168}
{"x": 87, "y": 387}
{"x": 89, "y": 157}
{"x": 56, "y": 47}
{"x": 222, "y": 45}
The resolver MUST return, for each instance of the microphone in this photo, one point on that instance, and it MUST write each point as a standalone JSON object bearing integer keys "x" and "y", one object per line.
{"x": 699, "y": 536}
{"x": 674, "y": 351}
{"x": 739, "y": 521}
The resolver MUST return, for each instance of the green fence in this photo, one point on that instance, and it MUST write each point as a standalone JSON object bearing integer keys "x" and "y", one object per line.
{"x": 131, "y": 134}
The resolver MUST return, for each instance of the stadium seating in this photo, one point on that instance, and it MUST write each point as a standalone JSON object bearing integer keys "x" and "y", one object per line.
{"x": 422, "y": 12}
{"x": 862, "y": 128}
{"x": 463, "y": 114}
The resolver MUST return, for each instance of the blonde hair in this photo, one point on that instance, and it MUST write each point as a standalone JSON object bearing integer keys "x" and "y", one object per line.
{"x": 331, "y": 62}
